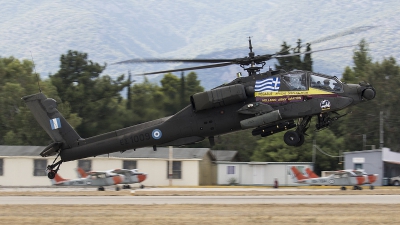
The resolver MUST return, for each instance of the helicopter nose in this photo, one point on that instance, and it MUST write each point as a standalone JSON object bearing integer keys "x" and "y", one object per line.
{"x": 369, "y": 93}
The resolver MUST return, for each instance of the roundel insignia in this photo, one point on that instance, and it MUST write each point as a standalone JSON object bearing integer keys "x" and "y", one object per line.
{"x": 325, "y": 104}
{"x": 331, "y": 181}
{"x": 156, "y": 134}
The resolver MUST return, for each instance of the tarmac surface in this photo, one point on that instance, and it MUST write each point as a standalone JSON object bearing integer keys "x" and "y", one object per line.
{"x": 194, "y": 189}
{"x": 134, "y": 198}
{"x": 150, "y": 200}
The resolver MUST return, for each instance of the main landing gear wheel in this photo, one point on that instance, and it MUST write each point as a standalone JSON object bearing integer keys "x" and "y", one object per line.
{"x": 296, "y": 138}
{"x": 301, "y": 141}
{"x": 343, "y": 188}
{"x": 293, "y": 138}
{"x": 371, "y": 187}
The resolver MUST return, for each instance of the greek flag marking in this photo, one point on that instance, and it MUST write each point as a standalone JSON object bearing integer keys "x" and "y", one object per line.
{"x": 269, "y": 84}
{"x": 55, "y": 123}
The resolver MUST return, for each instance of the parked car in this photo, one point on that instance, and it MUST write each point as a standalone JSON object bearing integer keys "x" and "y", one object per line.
{"x": 395, "y": 181}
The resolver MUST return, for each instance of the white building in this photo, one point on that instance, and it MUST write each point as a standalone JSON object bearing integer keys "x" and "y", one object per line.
{"x": 383, "y": 162}
{"x": 258, "y": 173}
{"x": 23, "y": 166}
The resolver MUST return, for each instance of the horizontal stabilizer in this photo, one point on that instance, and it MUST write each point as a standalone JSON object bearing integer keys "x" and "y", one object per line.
{"x": 51, "y": 150}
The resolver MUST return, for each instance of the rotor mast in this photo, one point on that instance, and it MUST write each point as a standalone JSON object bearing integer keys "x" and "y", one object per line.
{"x": 253, "y": 69}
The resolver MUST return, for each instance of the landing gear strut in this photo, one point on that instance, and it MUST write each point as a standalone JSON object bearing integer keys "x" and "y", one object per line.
{"x": 50, "y": 168}
{"x": 324, "y": 120}
{"x": 296, "y": 138}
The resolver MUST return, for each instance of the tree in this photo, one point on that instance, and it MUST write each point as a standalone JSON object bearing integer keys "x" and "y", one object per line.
{"x": 170, "y": 86}
{"x": 18, "y": 127}
{"x": 285, "y": 63}
{"x": 307, "y": 60}
{"x": 192, "y": 86}
{"x": 294, "y": 62}
{"x": 177, "y": 91}
{"x": 147, "y": 103}
{"x": 364, "y": 120}
{"x": 93, "y": 97}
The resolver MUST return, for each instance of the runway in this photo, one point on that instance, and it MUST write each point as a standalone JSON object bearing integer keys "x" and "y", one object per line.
{"x": 173, "y": 200}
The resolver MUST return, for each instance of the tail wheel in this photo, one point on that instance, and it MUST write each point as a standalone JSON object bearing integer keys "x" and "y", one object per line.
{"x": 291, "y": 138}
{"x": 51, "y": 174}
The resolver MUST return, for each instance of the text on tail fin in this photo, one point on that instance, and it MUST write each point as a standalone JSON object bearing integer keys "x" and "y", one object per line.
{"x": 311, "y": 174}
{"x": 58, "y": 178}
{"x": 298, "y": 174}
{"x": 81, "y": 172}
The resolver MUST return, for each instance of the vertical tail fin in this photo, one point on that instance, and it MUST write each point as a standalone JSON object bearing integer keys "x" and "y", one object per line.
{"x": 297, "y": 176}
{"x": 50, "y": 119}
{"x": 81, "y": 173}
{"x": 311, "y": 174}
{"x": 57, "y": 179}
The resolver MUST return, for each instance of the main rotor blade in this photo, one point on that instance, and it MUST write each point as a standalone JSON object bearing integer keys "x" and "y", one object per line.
{"x": 321, "y": 50}
{"x": 188, "y": 68}
{"x": 341, "y": 34}
{"x": 173, "y": 61}
{"x": 334, "y": 36}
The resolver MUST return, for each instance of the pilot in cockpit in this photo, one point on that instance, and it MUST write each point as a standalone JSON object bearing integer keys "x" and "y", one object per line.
{"x": 327, "y": 84}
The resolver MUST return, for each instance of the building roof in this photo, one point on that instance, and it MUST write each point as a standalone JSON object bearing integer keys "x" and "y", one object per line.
{"x": 264, "y": 163}
{"x": 224, "y": 155}
{"x": 16, "y": 150}
{"x": 363, "y": 151}
{"x": 161, "y": 153}
{"x": 387, "y": 155}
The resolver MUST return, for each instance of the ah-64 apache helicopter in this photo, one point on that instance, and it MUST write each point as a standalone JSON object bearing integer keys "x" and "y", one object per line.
{"x": 267, "y": 102}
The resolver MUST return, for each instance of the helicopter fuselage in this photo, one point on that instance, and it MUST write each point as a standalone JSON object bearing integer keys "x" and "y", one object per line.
{"x": 228, "y": 108}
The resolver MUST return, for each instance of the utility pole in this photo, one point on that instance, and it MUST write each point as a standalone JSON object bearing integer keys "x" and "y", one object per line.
{"x": 170, "y": 165}
{"x": 364, "y": 141}
{"x": 381, "y": 130}
{"x": 314, "y": 151}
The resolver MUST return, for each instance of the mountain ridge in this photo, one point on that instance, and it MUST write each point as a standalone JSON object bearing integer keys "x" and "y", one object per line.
{"x": 112, "y": 31}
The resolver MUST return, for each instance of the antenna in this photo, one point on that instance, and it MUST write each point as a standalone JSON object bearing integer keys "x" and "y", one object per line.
{"x": 251, "y": 53}
{"x": 34, "y": 68}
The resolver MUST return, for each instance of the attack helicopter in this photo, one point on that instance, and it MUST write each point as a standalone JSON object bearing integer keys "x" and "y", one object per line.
{"x": 266, "y": 102}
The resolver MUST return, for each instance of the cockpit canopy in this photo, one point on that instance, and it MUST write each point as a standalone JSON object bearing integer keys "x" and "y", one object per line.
{"x": 303, "y": 80}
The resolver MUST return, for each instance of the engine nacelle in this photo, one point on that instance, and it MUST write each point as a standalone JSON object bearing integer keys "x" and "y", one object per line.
{"x": 218, "y": 97}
